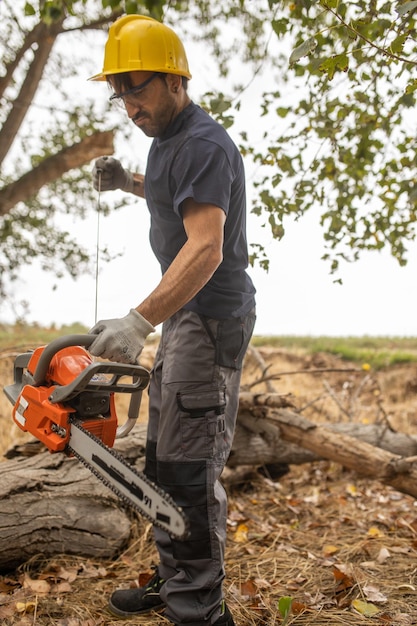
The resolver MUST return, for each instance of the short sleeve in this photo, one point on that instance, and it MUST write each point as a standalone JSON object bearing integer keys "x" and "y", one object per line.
{"x": 203, "y": 172}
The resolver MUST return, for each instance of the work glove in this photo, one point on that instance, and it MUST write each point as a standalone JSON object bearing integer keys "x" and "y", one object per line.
{"x": 113, "y": 175}
{"x": 121, "y": 339}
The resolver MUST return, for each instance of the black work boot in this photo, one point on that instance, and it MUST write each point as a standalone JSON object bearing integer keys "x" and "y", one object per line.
{"x": 127, "y": 602}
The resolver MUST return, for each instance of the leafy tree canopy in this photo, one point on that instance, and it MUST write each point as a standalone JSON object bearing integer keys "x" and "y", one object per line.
{"x": 340, "y": 90}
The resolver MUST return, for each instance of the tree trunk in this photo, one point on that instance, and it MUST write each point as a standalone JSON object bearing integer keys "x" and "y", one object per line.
{"x": 51, "y": 504}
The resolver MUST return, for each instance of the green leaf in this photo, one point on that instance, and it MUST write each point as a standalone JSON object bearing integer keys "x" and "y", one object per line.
{"x": 52, "y": 11}
{"x": 338, "y": 62}
{"x": 282, "y": 111}
{"x": 413, "y": 195}
{"x": 131, "y": 7}
{"x": 411, "y": 87}
{"x": 280, "y": 26}
{"x": 29, "y": 10}
{"x": 219, "y": 105}
{"x": 402, "y": 9}
{"x": 397, "y": 44}
{"x": 307, "y": 47}
{"x": 331, "y": 4}
{"x": 284, "y": 607}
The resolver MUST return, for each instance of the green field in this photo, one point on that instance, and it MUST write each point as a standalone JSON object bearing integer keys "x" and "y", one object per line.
{"x": 376, "y": 351}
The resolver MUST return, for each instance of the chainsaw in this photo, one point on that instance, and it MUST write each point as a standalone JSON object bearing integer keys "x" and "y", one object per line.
{"x": 67, "y": 401}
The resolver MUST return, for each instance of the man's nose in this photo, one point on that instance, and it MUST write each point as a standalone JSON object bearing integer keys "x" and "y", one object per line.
{"x": 132, "y": 109}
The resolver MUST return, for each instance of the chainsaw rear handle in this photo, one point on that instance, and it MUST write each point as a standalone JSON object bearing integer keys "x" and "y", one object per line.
{"x": 20, "y": 364}
{"x": 41, "y": 370}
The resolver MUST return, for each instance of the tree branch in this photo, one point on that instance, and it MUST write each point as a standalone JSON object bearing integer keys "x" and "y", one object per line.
{"x": 371, "y": 44}
{"x": 35, "y": 35}
{"x": 45, "y": 43}
{"x": 54, "y": 167}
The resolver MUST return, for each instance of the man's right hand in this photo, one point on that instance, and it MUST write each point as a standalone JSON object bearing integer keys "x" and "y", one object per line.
{"x": 108, "y": 173}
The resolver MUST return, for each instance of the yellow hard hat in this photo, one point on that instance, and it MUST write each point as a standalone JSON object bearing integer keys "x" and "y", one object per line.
{"x": 140, "y": 43}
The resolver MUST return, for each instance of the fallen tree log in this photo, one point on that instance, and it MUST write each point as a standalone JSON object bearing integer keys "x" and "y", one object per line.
{"x": 399, "y": 471}
{"x": 258, "y": 440}
{"x": 51, "y": 504}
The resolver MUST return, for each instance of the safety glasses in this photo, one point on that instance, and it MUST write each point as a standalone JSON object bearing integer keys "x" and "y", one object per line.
{"x": 121, "y": 99}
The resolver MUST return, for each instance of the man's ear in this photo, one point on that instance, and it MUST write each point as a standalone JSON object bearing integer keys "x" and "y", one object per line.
{"x": 173, "y": 82}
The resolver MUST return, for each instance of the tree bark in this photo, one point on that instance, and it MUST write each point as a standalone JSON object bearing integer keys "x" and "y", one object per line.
{"x": 51, "y": 504}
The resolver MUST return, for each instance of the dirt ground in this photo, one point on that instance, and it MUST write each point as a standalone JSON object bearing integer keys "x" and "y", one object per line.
{"x": 336, "y": 548}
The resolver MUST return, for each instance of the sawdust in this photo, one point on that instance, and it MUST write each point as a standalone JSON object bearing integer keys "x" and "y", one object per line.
{"x": 319, "y": 535}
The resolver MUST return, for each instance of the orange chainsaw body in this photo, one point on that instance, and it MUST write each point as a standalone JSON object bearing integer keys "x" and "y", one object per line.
{"x": 50, "y": 422}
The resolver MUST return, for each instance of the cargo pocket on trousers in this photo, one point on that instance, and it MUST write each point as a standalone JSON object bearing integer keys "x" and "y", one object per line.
{"x": 202, "y": 422}
{"x": 233, "y": 337}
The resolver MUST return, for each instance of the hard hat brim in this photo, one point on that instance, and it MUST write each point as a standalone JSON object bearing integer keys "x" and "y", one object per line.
{"x": 103, "y": 75}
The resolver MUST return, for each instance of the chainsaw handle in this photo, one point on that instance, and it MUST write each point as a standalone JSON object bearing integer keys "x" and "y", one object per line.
{"x": 132, "y": 415}
{"x": 13, "y": 391}
{"x": 39, "y": 375}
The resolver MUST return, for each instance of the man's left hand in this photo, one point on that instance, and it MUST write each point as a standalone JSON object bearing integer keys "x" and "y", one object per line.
{"x": 121, "y": 339}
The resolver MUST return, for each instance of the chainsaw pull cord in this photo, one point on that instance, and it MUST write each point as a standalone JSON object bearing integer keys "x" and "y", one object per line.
{"x": 136, "y": 397}
{"x": 99, "y": 172}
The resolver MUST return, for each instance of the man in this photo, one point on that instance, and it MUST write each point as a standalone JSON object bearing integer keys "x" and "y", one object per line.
{"x": 194, "y": 186}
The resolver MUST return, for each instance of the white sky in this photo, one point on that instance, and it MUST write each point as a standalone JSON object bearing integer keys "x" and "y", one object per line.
{"x": 296, "y": 297}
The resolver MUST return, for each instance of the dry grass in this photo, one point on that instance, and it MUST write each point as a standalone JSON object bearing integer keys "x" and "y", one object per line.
{"x": 285, "y": 539}
{"x": 320, "y": 534}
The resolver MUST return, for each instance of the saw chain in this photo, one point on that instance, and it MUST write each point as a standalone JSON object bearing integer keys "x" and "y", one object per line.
{"x": 126, "y": 482}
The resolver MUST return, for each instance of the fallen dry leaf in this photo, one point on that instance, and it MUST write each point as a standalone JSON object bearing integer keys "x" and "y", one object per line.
{"x": 373, "y": 594}
{"x": 329, "y": 550}
{"x": 249, "y": 589}
{"x": 241, "y": 534}
{"x": 25, "y": 607}
{"x": 365, "y": 608}
{"x": 6, "y": 610}
{"x": 383, "y": 555}
{"x": 40, "y": 587}
{"x": 91, "y": 571}
{"x": 63, "y": 587}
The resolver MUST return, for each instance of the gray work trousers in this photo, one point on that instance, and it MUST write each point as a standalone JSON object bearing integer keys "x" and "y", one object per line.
{"x": 193, "y": 402}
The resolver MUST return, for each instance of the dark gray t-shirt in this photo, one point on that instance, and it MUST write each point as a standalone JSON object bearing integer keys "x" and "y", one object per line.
{"x": 197, "y": 159}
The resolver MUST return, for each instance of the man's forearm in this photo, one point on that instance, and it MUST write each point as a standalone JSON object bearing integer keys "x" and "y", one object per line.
{"x": 186, "y": 276}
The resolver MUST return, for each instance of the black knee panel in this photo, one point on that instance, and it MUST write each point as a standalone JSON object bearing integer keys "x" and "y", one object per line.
{"x": 186, "y": 482}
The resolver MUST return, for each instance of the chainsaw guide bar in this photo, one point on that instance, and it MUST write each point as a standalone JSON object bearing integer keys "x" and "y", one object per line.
{"x": 129, "y": 485}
